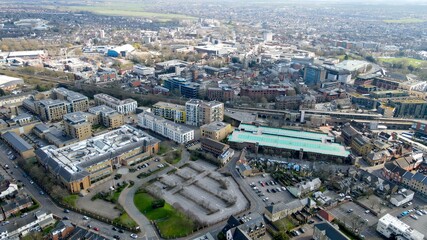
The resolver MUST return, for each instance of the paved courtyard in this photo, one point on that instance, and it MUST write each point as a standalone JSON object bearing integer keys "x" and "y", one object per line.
{"x": 200, "y": 191}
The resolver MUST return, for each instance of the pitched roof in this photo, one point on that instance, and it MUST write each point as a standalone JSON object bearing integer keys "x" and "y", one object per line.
{"x": 18, "y": 143}
{"x": 330, "y": 231}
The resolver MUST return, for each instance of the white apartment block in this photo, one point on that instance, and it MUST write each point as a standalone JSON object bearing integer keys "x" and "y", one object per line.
{"x": 122, "y": 106}
{"x": 192, "y": 112}
{"x": 166, "y": 128}
{"x": 390, "y": 226}
{"x": 199, "y": 112}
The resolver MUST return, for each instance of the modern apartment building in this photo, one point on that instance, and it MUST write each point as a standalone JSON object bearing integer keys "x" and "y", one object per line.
{"x": 166, "y": 128}
{"x": 199, "y": 112}
{"x": 122, "y": 106}
{"x": 52, "y": 109}
{"x": 81, "y": 164}
{"x": 216, "y": 130}
{"x": 78, "y": 101}
{"x": 390, "y": 226}
{"x": 79, "y": 124}
{"x": 173, "y": 112}
{"x": 107, "y": 116}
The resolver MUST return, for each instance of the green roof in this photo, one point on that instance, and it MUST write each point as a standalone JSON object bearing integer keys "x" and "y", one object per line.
{"x": 292, "y": 143}
{"x": 285, "y": 132}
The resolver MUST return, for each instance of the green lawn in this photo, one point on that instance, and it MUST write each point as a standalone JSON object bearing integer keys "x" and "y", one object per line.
{"x": 405, "y": 20}
{"x": 407, "y": 61}
{"x": 284, "y": 224}
{"x": 125, "y": 220}
{"x": 71, "y": 199}
{"x": 126, "y": 10}
{"x": 170, "y": 222}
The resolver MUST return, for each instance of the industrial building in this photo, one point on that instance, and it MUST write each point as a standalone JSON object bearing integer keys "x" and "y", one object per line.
{"x": 9, "y": 83}
{"x": 81, "y": 164}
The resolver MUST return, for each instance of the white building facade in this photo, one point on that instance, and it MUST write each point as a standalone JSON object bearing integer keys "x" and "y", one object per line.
{"x": 125, "y": 107}
{"x": 390, "y": 226}
{"x": 166, "y": 128}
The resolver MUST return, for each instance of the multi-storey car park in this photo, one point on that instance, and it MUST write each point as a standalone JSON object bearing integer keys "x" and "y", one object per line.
{"x": 303, "y": 143}
{"x": 81, "y": 164}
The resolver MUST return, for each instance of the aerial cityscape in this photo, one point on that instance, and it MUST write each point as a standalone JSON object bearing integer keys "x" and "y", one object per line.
{"x": 213, "y": 119}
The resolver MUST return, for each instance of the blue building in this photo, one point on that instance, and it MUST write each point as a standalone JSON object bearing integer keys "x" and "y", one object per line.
{"x": 120, "y": 51}
{"x": 186, "y": 89}
{"x": 314, "y": 75}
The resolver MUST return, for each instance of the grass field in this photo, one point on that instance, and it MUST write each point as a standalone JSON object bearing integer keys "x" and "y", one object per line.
{"x": 70, "y": 200}
{"x": 125, "y": 220}
{"x": 169, "y": 221}
{"x": 127, "y": 10}
{"x": 407, "y": 61}
{"x": 405, "y": 20}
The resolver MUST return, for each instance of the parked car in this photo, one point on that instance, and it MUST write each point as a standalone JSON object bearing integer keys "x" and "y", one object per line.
{"x": 134, "y": 236}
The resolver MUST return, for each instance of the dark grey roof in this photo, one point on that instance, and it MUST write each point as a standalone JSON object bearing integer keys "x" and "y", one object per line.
{"x": 80, "y": 233}
{"x": 330, "y": 231}
{"x": 419, "y": 177}
{"x": 41, "y": 127}
{"x": 17, "y": 142}
{"x": 57, "y": 169}
{"x": 408, "y": 175}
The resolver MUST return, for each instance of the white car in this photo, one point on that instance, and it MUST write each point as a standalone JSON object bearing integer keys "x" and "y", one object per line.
{"x": 134, "y": 236}
{"x": 85, "y": 218}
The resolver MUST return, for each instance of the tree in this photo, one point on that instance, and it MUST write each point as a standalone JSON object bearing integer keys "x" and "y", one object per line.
{"x": 281, "y": 236}
{"x": 370, "y": 59}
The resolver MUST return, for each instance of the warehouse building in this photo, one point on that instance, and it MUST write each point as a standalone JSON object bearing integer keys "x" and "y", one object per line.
{"x": 9, "y": 83}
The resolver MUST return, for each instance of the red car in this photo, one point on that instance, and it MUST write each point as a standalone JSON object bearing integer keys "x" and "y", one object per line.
{"x": 96, "y": 229}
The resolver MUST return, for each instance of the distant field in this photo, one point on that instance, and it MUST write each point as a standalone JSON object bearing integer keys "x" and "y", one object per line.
{"x": 407, "y": 61}
{"x": 127, "y": 10}
{"x": 406, "y": 20}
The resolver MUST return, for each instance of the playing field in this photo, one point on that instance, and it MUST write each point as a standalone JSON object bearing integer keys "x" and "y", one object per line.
{"x": 407, "y": 61}
{"x": 125, "y": 9}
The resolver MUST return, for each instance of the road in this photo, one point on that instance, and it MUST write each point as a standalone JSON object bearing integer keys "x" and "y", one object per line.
{"x": 48, "y": 205}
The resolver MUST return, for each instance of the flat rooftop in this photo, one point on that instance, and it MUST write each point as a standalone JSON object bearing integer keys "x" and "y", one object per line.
{"x": 76, "y": 157}
{"x": 169, "y": 105}
{"x": 285, "y": 132}
{"x": 76, "y": 117}
{"x": 288, "y": 139}
{"x": 113, "y": 100}
{"x": 101, "y": 109}
{"x": 70, "y": 95}
{"x": 215, "y": 126}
